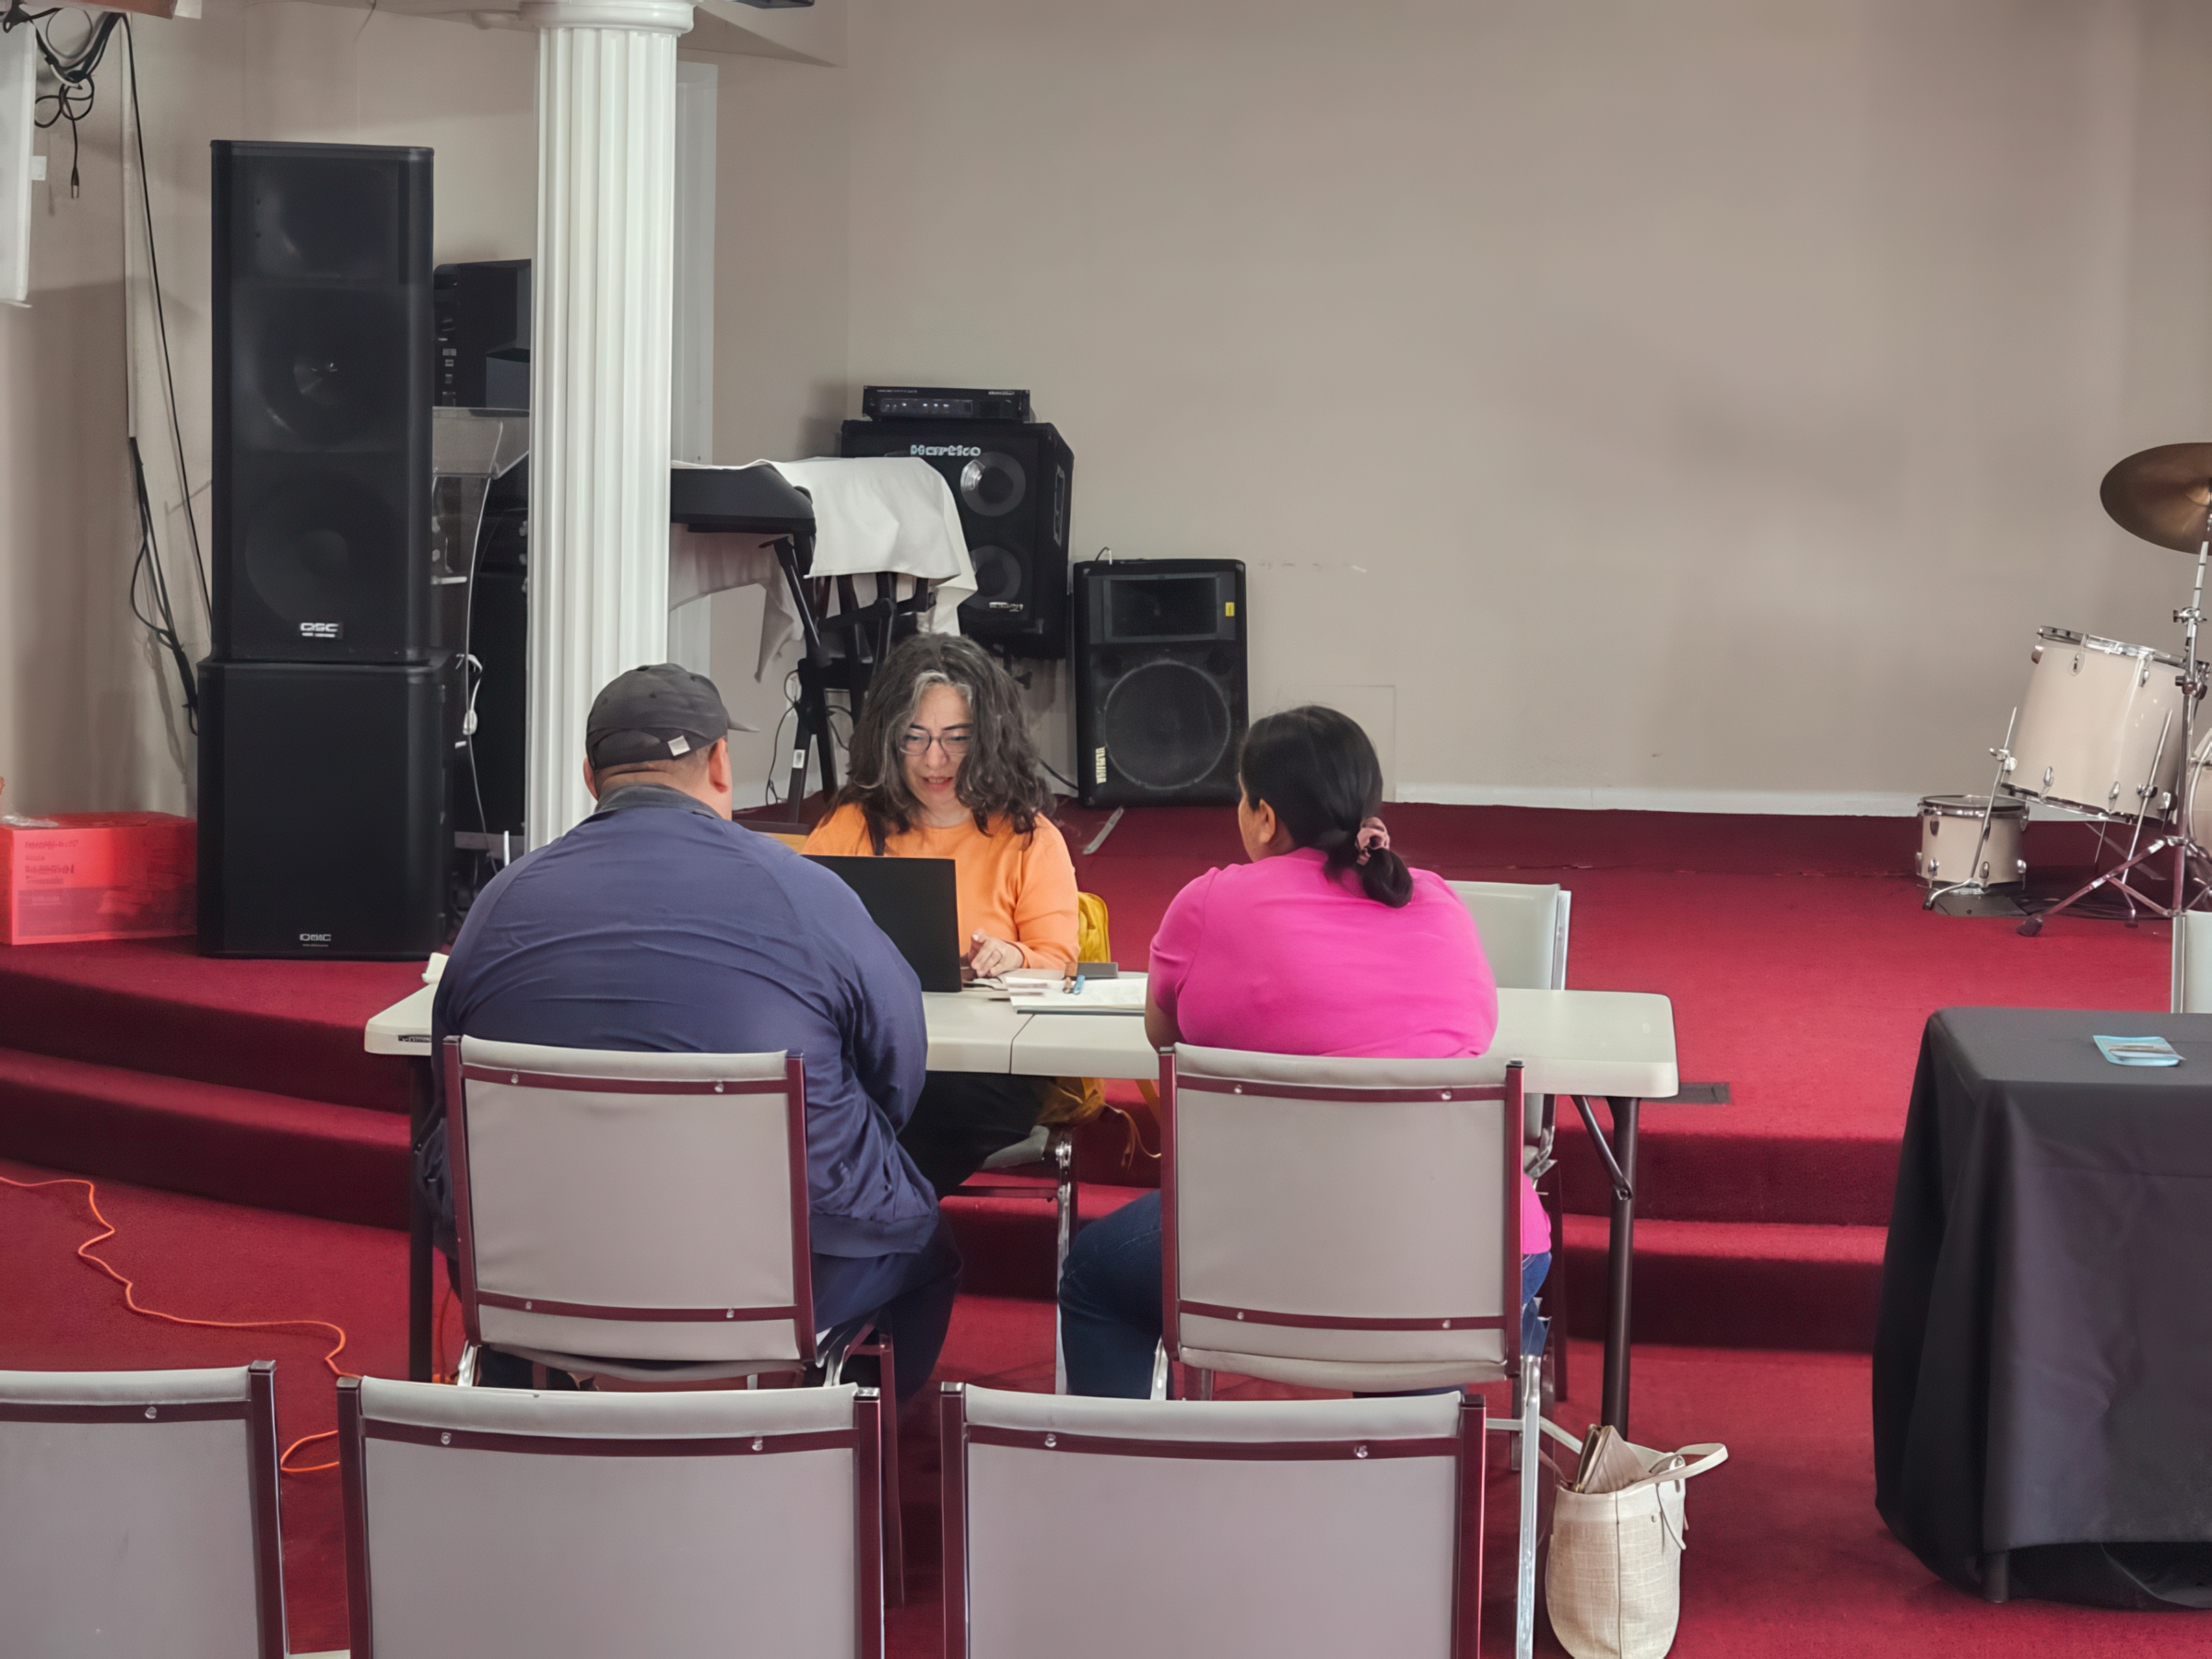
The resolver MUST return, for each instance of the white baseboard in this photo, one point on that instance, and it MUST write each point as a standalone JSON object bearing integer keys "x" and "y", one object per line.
{"x": 1790, "y": 803}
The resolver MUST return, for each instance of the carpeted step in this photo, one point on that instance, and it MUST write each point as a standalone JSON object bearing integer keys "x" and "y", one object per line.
{"x": 1733, "y": 1285}
{"x": 155, "y": 1006}
{"x": 1726, "y": 1165}
{"x": 240, "y": 1145}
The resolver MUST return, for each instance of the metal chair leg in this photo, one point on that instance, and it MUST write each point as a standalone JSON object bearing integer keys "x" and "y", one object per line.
{"x": 465, "y": 1370}
{"x": 894, "y": 1518}
{"x": 1063, "y": 1163}
{"x": 1159, "y": 1372}
{"x": 1530, "y": 1446}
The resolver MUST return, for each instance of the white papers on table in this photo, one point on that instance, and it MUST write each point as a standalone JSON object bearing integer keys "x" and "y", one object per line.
{"x": 1125, "y": 994}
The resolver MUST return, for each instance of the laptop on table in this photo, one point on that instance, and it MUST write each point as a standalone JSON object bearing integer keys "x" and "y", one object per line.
{"x": 916, "y": 902}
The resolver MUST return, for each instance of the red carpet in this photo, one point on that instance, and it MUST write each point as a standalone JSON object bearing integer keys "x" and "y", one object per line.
{"x": 1786, "y": 1556}
{"x": 1800, "y": 965}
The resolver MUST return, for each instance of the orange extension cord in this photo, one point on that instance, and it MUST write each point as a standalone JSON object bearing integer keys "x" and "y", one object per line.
{"x": 130, "y": 1300}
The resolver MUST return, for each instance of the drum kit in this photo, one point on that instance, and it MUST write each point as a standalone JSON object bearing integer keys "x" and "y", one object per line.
{"x": 2107, "y": 732}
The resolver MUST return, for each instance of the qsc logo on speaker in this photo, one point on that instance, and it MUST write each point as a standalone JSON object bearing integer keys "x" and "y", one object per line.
{"x": 314, "y": 939}
{"x": 957, "y": 451}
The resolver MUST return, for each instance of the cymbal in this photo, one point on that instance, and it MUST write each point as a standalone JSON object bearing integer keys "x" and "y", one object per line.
{"x": 2162, "y": 494}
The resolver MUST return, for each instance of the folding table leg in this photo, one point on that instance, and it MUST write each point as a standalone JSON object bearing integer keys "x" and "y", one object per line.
{"x": 420, "y": 1265}
{"x": 1620, "y": 1267}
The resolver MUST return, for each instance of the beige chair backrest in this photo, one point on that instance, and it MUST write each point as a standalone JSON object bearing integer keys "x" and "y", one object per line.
{"x": 1300, "y": 1529}
{"x": 1523, "y": 929}
{"x": 1325, "y": 1216}
{"x": 138, "y": 1513}
{"x": 632, "y": 1206}
{"x": 580, "y": 1526}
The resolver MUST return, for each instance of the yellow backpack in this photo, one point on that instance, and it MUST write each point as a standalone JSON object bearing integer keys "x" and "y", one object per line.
{"x": 1079, "y": 1099}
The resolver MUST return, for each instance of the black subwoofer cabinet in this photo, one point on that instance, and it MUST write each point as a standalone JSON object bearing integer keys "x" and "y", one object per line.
{"x": 324, "y": 829}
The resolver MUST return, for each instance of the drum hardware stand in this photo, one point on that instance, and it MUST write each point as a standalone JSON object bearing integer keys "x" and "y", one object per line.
{"x": 2116, "y": 877}
{"x": 1989, "y": 807}
{"x": 2192, "y": 682}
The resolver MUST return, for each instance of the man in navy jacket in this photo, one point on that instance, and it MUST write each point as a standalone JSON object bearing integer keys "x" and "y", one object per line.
{"x": 658, "y": 924}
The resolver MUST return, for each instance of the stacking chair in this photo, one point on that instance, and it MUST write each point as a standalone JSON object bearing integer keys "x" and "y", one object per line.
{"x": 580, "y": 1526}
{"x": 138, "y": 1513}
{"x": 1299, "y": 1529}
{"x": 1350, "y": 1224}
{"x": 1523, "y": 929}
{"x": 643, "y": 1216}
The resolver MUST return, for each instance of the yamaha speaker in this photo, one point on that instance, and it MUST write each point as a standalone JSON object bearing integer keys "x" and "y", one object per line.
{"x": 1160, "y": 672}
{"x": 1012, "y": 480}
{"x": 322, "y": 819}
{"x": 322, "y": 395}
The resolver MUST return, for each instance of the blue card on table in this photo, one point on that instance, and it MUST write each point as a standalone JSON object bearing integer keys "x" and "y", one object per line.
{"x": 2138, "y": 1050}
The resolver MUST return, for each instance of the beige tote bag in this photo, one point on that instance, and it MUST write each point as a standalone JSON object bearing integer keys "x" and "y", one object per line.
{"x": 1614, "y": 1585}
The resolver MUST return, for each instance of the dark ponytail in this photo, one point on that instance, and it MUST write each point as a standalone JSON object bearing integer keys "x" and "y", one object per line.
{"x": 1317, "y": 769}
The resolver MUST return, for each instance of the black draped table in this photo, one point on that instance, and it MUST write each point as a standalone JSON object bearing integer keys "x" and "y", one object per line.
{"x": 2042, "y": 1363}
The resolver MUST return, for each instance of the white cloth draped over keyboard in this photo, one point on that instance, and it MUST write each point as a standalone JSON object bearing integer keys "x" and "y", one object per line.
{"x": 874, "y": 518}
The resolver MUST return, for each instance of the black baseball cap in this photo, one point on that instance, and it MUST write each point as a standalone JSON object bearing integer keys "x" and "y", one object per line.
{"x": 654, "y": 713}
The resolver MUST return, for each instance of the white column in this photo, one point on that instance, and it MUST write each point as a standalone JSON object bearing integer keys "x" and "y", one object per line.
{"x": 599, "y": 356}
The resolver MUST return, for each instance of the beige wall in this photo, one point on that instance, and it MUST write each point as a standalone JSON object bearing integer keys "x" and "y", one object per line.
{"x": 1686, "y": 404}
{"x": 66, "y": 526}
{"x": 779, "y": 325}
{"x": 1693, "y": 403}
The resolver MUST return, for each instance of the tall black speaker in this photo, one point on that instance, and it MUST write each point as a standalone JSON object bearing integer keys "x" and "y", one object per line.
{"x": 326, "y": 710}
{"x": 322, "y": 817}
{"x": 322, "y": 395}
{"x": 1160, "y": 691}
{"x": 1012, "y": 480}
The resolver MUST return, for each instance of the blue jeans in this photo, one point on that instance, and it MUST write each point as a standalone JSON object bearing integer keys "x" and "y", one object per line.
{"x": 1110, "y": 1319}
{"x": 911, "y": 1296}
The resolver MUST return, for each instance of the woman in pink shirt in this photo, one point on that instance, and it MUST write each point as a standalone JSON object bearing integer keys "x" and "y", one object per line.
{"x": 1325, "y": 944}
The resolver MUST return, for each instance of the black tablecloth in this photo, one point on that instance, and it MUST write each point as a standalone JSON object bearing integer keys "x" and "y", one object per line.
{"x": 2043, "y": 1364}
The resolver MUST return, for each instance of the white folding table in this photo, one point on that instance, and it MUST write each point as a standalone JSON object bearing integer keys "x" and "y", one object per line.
{"x": 1614, "y": 1045}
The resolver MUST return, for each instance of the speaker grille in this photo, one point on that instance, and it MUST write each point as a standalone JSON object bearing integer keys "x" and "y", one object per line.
{"x": 1166, "y": 726}
{"x": 322, "y": 217}
{"x": 324, "y": 369}
{"x": 993, "y": 484}
{"x": 997, "y": 577}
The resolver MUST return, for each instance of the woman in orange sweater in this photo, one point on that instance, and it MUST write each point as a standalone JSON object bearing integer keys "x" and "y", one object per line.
{"x": 942, "y": 767}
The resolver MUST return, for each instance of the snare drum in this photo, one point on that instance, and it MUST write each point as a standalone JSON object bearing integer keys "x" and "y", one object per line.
{"x": 2100, "y": 727}
{"x": 1950, "y": 831}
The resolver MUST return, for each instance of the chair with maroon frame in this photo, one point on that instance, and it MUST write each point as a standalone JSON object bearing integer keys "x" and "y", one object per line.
{"x": 138, "y": 1513}
{"x": 578, "y": 1525}
{"x": 643, "y": 1217}
{"x": 1300, "y": 1529}
{"x": 1350, "y": 1224}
